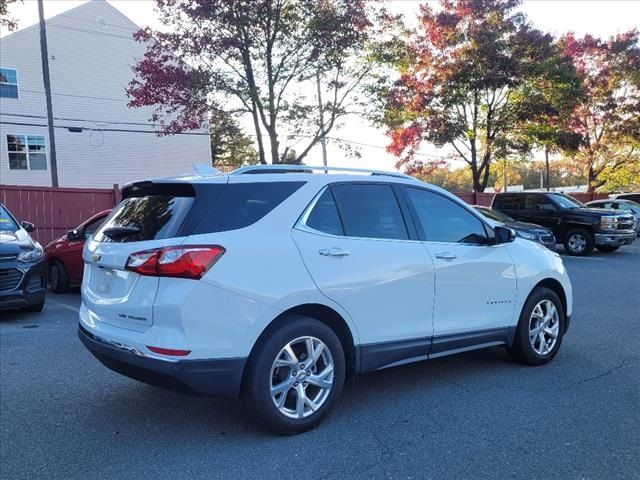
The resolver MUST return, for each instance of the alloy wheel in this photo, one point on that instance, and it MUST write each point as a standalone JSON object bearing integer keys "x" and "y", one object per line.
{"x": 54, "y": 277}
{"x": 577, "y": 243}
{"x": 301, "y": 377}
{"x": 544, "y": 326}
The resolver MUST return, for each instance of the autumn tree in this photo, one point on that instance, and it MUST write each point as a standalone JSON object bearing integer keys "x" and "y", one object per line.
{"x": 466, "y": 80}
{"x": 607, "y": 119}
{"x": 6, "y": 21}
{"x": 230, "y": 145}
{"x": 266, "y": 59}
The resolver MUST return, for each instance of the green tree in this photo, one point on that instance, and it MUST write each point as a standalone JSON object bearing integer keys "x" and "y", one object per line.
{"x": 229, "y": 144}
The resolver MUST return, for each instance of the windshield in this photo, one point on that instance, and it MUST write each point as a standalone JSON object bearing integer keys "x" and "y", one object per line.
{"x": 565, "y": 201}
{"x": 7, "y": 223}
{"x": 494, "y": 215}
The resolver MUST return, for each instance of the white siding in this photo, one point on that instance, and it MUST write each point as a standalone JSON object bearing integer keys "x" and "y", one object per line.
{"x": 90, "y": 69}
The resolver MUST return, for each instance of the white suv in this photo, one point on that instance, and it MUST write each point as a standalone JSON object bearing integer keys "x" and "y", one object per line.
{"x": 278, "y": 283}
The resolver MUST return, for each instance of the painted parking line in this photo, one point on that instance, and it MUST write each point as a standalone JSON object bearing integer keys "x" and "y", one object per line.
{"x": 59, "y": 304}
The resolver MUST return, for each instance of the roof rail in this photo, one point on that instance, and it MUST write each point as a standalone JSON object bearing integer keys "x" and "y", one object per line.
{"x": 285, "y": 168}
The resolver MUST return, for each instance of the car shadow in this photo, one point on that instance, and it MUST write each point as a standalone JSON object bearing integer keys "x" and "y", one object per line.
{"x": 134, "y": 406}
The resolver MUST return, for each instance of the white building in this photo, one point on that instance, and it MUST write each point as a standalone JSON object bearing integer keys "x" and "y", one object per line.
{"x": 91, "y": 54}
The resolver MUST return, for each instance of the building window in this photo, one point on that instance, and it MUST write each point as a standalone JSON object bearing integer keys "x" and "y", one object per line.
{"x": 8, "y": 83}
{"x": 27, "y": 152}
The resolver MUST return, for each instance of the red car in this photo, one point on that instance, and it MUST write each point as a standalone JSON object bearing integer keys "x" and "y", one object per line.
{"x": 64, "y": 255}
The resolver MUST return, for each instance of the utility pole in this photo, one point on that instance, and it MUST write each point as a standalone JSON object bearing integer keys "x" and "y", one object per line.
{"x": 323, "y": 140}
{"x": 44, "y": 55}
{"x": 546, "y": 160}
{"x": 504, "y": 173}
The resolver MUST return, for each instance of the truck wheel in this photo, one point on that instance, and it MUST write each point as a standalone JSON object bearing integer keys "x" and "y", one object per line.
{"x": 607, "y": 248}
{"x": 295, "y": 376}
{"x": 540, "y": 328}
{"x": 58, "y": 277}
{"x": 578, "y": 242}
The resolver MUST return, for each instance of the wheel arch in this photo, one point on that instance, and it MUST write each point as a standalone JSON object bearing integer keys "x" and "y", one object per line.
{"x": 324, "y": 314}
{"x": 556, "y": 287}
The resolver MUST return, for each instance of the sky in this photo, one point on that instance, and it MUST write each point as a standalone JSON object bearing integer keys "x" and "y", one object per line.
{"x": 601, "y": 18}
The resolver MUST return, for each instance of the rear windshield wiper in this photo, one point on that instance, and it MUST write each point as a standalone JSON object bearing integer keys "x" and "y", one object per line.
{"x": 114, "y": 232}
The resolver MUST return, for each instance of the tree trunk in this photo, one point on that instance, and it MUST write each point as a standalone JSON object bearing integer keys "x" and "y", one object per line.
{"x": 256, "y": 126}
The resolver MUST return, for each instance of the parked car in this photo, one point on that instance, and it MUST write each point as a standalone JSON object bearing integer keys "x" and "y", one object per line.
{"x": 64, "y": 255}
{"x": 277, "y": 286}
{"x": 579, "y": 228}
{"x": 635, "y": 196}
{"x": 530, "y": 231}
{"x": 22, "y": 270}
{"x": 622, "y": 205}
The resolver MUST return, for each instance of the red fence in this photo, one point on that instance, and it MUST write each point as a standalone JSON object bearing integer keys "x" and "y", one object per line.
{"x": 55, "y": 210}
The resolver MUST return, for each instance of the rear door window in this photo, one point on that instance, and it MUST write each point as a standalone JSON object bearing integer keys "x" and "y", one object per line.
{"x": 506, "y": 202}
{"x": 324, "y": 217}
{"x": 369, "y": 211}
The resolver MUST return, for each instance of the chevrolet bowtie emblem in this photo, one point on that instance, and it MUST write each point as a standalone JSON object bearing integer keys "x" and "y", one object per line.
{"x": 95, "y": 257}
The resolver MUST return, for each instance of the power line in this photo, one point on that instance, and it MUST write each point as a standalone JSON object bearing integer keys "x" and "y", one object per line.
{"x": 93, "y": 22}
{"x": 92, "y": 32}
{"x": 91, "y": 97}
{"x": 111, "y": 122}
{"x": 91, "y": 129}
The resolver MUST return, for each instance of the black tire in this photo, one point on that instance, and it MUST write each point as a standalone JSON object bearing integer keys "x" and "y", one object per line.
{"x": 522, "y": 349}
{"x": 58, "y": 277}
{"x": 607, "y": 248}
{"x": 36, "y": 307}
{"x": 578, "y": 242}
{"x": 259, "y": 375}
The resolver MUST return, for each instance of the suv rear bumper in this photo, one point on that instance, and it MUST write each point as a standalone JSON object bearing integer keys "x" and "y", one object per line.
{"x": 199, "y": 377}
{"x": 614, "y": 239}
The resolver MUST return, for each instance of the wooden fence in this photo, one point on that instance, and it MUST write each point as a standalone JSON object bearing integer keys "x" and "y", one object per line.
{"x": 56, "y": 210}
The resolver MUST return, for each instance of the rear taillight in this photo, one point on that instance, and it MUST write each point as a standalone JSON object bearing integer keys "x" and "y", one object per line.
{"x": 169, "y": 351}
{"x": 182, "y": 262}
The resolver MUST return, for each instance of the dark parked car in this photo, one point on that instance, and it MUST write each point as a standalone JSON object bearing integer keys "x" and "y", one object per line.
{"x": 22, "y": 266}
{"x": 578, "y": 227}
{"x": 530, "y": 231}
{"x": 625, "y": 206}
{"x": 635, "y": 196}
{"x": 64, "y": 255}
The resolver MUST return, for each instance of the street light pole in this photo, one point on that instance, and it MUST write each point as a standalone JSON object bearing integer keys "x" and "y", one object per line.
{"x": 323, "y": 140}
{"x": 546, "y": 159}
{"x": 44, "y": 55}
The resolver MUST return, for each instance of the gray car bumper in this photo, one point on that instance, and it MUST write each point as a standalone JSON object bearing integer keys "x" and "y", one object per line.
{"x": 614, "y": 239}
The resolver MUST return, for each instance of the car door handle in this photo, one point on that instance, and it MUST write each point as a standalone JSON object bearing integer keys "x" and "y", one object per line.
{"x": 446, "y": 256}
{"x": 333, "y": 252}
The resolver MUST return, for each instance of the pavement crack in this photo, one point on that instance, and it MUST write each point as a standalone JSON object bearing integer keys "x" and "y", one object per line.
{"x": 606, "y": 373}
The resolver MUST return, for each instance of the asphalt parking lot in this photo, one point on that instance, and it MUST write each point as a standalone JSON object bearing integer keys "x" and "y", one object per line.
{"x": 476, "y": 415}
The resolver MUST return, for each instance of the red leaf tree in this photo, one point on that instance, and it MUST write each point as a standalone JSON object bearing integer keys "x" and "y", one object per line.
{"x": 469, "y": 77}
{"x": 266, "y": 59}
{"x": 607, "y": 119}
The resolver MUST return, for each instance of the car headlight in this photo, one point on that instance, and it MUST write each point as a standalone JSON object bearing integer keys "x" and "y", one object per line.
{"x": 32, "y": 254}
{"x": 527, "y": 235}
{"x": 608, "y": 223}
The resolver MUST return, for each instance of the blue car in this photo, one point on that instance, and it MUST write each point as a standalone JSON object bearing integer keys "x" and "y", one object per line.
{"x": 22, "y": 266}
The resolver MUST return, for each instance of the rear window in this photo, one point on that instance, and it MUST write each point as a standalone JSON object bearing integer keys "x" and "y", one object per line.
{"x": 506, "y": 202}
{"x": 156, "y": 212}
{"x": 324, "y": 217}
{"x": 147, "y": 217}
{"x": 7, "y": 224}
{"x": 243, "y": 204}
